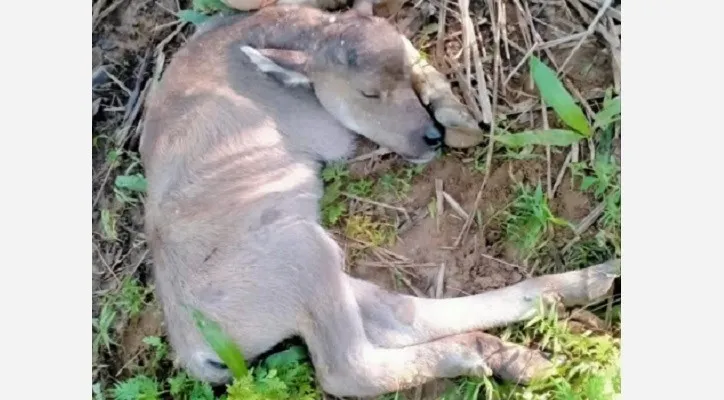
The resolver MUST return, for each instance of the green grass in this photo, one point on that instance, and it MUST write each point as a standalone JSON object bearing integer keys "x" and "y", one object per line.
{"x": 587, "y": 252}
{"x": 102, "y": 329}
{"x": 391, "y": 187}
{"x": 603, "y": 181}
{"x": 586, "y": 365}
{"x": 395, "y": 185}
{"x": 529, "y": 220}
{"x": 128, "y": 301}
{"x": 287, "y": 374}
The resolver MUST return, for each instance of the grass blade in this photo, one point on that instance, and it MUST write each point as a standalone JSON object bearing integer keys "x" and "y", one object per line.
{"x": 555, "y": 95}
{"x": 224, "y": 347}
{"x": 610, "y": 113}
{"x": 551, "y": 137}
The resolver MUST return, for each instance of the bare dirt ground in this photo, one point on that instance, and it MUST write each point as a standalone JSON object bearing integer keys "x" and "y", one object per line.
{"x": 133, "y": 39}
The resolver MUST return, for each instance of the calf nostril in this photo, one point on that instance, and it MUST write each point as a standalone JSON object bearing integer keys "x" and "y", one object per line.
{"x": 433, "y": 136}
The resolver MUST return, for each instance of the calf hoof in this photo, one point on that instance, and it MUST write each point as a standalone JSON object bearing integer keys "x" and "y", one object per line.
{"x": 512, "y": 362}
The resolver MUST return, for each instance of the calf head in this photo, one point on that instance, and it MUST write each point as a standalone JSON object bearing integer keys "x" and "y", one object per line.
{"x": 358, "y": 69}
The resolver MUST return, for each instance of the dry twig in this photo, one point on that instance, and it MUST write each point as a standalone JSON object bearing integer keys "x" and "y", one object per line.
{"x": 491, "y": 141}
{"x": 591, "y": 28}
{"x": 377, "y": 203}
{"x": 438, "y": 203}
{"x": 99, "y": 16}
{"x": 456, "y": 206}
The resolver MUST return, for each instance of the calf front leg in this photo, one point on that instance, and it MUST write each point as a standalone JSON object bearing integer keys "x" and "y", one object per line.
{"x": 462, "y": 130}
{"x": 435, "y": 92}
{"x": 396, "y": 320}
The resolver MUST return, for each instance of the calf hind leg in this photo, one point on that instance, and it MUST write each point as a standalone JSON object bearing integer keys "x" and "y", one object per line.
{"x": 348, "y": 364}
{"x": 396, "y": 320}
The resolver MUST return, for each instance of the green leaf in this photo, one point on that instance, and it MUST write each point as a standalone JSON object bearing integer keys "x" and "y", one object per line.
{"x": 135, "y": 182}
{"x": 112, "y": 156}
{"x": 587, "y": 182}
{"x": 610, "y": 113}
{"x": 334, "y": 212}
{"x": 177, "y": 384}
{"x": 192, "y": 16}
{"x": 224, "y": 347}
{"x": 555, "y": 95}
{"x": 201, "y": 391}
{"x": 153, "y": 341}
{"x": 284, "y": 358}
{"x": 551, "y": 137}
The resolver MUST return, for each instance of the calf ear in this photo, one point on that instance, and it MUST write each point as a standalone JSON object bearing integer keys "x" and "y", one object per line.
{"x": 287, "y": 66}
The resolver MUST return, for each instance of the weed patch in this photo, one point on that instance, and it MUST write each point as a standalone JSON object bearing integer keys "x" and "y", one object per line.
{"x": 586, "y": 365}
{"x": 530, "y": 220}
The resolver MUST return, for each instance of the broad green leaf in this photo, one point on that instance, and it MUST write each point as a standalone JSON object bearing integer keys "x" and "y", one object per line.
{"x": 610, "y": 113}
{"x": 135, "y": 183}
{"x": 224, "y": 347}
{"x": 555, "y": 95}
{"x": 551, "y": 137}
{"x": 192, "y": 16}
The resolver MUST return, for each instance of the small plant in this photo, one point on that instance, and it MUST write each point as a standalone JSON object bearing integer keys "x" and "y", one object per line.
{"x": 601, "y": 179}
{"x": 102, "y": 327}
{"x": 586, "y": 366}
{"x": 604, "y": 181}
{"x": 127, "y": 302}
{"x": 332, "y": 203}
{"x": 159, "y": 351}
{"x": 129, "y": 184}
{"x": 132, "y": 297}
{"x": 182, "y": 387}
{"x": 554, "y": 94}
{"x": 398, "y": 184}
{"x": 364, "y": 228}
{"x": 282, "y": 376}
{"x": 586, "y": 253}
{"x": 201, "y": 10}
{"x": 139, "y": 387}
{"x": 529, "y": 220}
